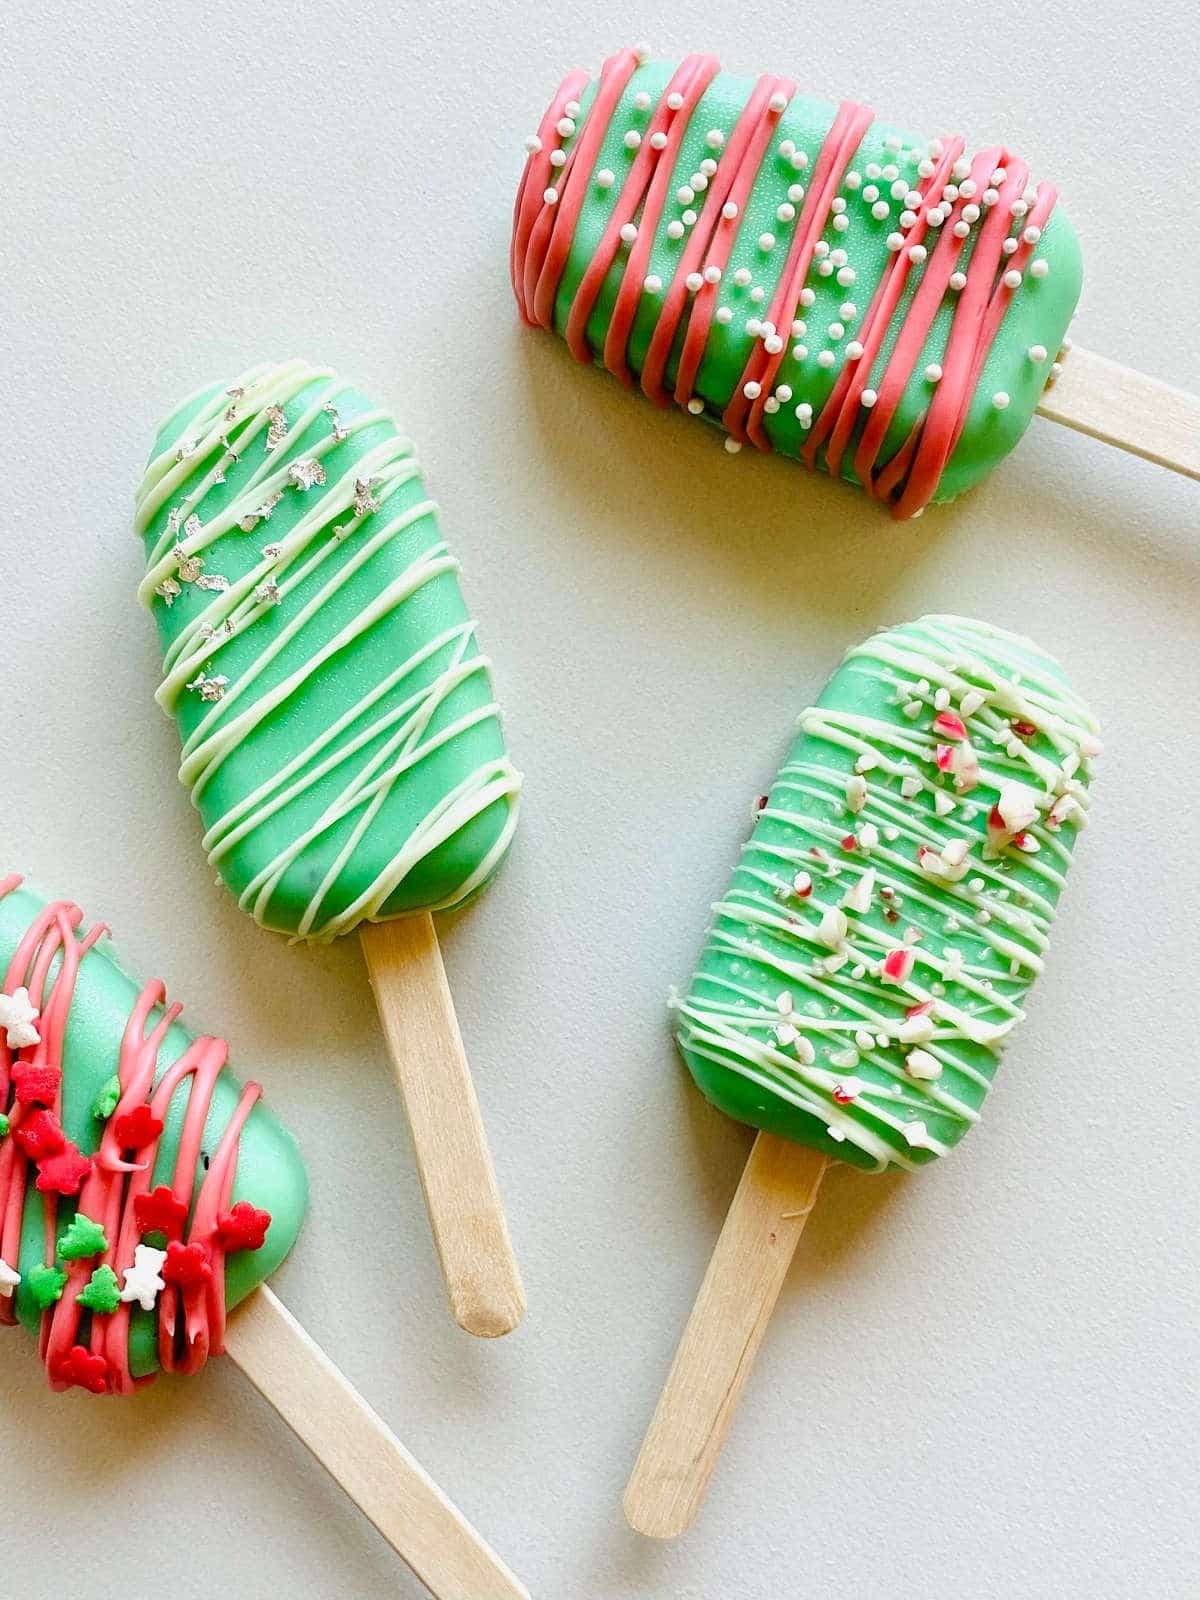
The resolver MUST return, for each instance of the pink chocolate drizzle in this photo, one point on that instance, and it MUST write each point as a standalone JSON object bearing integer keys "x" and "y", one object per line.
{"x": 191, "y": 1318}
{"x": 543, "y": 233}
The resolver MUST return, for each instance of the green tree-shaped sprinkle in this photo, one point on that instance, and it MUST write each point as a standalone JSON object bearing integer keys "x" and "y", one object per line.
{"x": 83, "y": 1238}
{"x": 45, "y": 1285}
{"x": 103, "y": 1293}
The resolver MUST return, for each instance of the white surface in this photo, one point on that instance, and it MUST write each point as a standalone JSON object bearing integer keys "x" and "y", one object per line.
{"x": 979, "y": 1383}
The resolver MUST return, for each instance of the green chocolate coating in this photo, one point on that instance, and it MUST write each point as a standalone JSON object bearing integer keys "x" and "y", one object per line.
{"x": 270, "y": 1173}
{"x": 977, "y": 929}
{"x": 353, "y": 766}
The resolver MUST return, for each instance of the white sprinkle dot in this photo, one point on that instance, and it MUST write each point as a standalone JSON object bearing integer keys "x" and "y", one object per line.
{"x": 685, "y": 194}
{"x": 629, "y": 232}
{"x": 808, "y": 297}
{"x": 565, "y": 127}
{"x": 778, "y": 102}
{"x": 795, "y": 193}
{"x": 658, "y": 140}
{"x": 853, "y": 180}
{"x": 550, "y": 197}
{"x": 558, "y": 158}
{"x": 1037, "y": 353}
{"x": 766, "y": 241}
{"x": 675, "y": 101}
{"x": 712, "y": 273}
{"x": 724, "y": 315}
{"x": 742, "y": 277}
{"x": 799, "y": 352}
{"x": 895, "y": 241}
{"x": 933, "y": 372}
{"x": 632, "y": 139}
{"x": 708, "y": 166}
{"x": 1000, "y": 400}
{"x": 641, "y": 101}
{"x": 1032, "y": 235}
{"x": 840, "y": 224}
{"x": 605, "y": 178}
{"x": 758, "y": 294}
{"x": 1038, "y": 269}
{"x": 868, "y": 398}
{"x": 714, "y": 138}
{"x": 533, "y": 144}
{"x": 837, "y": 330}
{"x": 958, "y": 280}
{"x": 729, "y": 210}
{"x": 854, "y": 350}
{"x": 880, "y": 210}
{"x": 675, "y": 229}
{"x": 826, "y": 358}
{"x": 694, "y": 282}
{"x": 689, "y": 219}
{"x": 846, "y": 276}
{"x": 784, "y": 393}
{"x": 1012, "y": 279}
{"x": 917, "y": 253}
{"x": 732, "y": 446}
{"x": 787, "y": 148}
{"x": 961, "y": 230}
{"x": 786, "y": 212}
{"x": 653, "y": 284}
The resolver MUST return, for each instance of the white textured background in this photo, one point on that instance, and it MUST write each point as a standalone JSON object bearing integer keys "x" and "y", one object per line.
{"x": 980, "y": 1383}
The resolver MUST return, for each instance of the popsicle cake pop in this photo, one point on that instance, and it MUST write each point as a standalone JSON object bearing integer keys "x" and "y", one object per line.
{"x": 867, "y": 964}
{"x": 886, "y": 308}
{"x": 340, "y": 735}
{"x": 144, "y": 1194}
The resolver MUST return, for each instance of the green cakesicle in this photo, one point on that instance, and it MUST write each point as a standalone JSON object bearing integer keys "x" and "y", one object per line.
{"x": 340, "y": 736}
{"x": 892, "y": 906}
{"x": 268, "y": 1176}
{"x": 824, "y": 284}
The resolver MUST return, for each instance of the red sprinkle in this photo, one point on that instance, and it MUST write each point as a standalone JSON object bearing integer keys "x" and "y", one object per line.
{"x": 137, "y": 1128}
{"x": 64, "y": 1173}
{"x": 39, "y": 1135}
{"x": 761, "y": 803}
{"x": 1024, "y": 730}
{"x": 898, "y": 965}
{"x": 35, "y": 1086}
{"x": 849, "y": 842}
{"x": 243, "y": 1228}
{"x": 922, "y": 1010}
{"x": 950, "y": 724}
{"x": 160, "y": 1212}
{"x": 187, "y": 1265}
{"x": 945, "y": 757}
{"x": 82, "y": 1369}
{"x": 840, "y": 1095}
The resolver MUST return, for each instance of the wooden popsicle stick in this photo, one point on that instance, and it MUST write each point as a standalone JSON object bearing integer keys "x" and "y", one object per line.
{"x": 469, "y": 1229}
{"x": 361, "y": 1453}
{"x": 777, "y": 1192}
{"x": 1126, "y": 409}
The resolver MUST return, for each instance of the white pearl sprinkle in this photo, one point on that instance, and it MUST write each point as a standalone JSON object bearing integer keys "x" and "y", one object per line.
{"x": 880, "y": 210}
{"x": 840, "y": 224}
{"x": 699, "y": 182}
{"x": 1037, "y": 353}
{"x": 960, "y": 169}
{"x": 771, "y": 404}
{"x": 853, "y": 180}
{"x": 799, "y": 161}
{"x": 808, "y": 297}
{"x": 605, "y": 178}
{"x": 533, "y": 144}
{"x": 766, "y": 241}
{"x": 870, "y": 192}
{"x": 752, "y": 390}
{"x": 628, "y": 232}
{"x": 836, "y": 330}
{"x": 724, "y": 315}
{"x": 1000, "y": 400}
{"x": 799, "y": 328}
{"x": 550, "y": 196}
{"x": 773, "y": 345}
{"x": 754, "y": 327}
{"x": 967, "y": 187}
{"x": 685, "y": 194}
{"x": 632, "y": 139}
{"x": 558, "y": 158}
{"x": 854, "y": 350}
{"x": 708, "y": 166}
{"x": 961, "y": 230}
{"x": 658, "y": 140}
{"x": 990, "y": 197}
{"x": 892, "y": 143}
{"x": 714, "y": 138}
{"x": 846, "y": 276}
{"x": 1038, "y": 269}
{"x": 958, "y": 280}
{"x": 868, "y": 398}
{"x": 837, "y": 206}
{"x": 848, "y": 311}
{"x": 933, "y": 372}
{"x": 821, "y": 249}
{"x": 825, "y": 269}
{"x": 908, "y": 219}
{"x": 675, "y": 229}
{"x": 800, "y": 352}
{"x": 732, "y": 446}
{"x": 743, "y": 277}
{"x": 572, "y": 108}
{"x": 971, "y": 213}
{"x": 1032, "y": 235}
{"x": 653, "y": 284}
{"x": 1012, "y": 279}
{"x": 641, "y": 53}
{"x": 694, "y": 282}
{"x": 641, "y": 101}
{"x": 695, "y": 406}
{"x": 565, "y": 127}
{"x": 786, "y": 212}
{"x": 758, "y": 294}
{"x": 729, "y": 210}
{"x": 895, "y": 241}
{"x": 1055, "y": 370}
{"x": 712, "y": 273}
{"x": 787, "y": 148}
{"x": 826, "y": 358}
{"x": 778, "y": 101}
{"x": 689, "y": 219}
{"x": 675, "y": 101}
{"x": 784, "y": 393}
{"x": 917, "y": 253}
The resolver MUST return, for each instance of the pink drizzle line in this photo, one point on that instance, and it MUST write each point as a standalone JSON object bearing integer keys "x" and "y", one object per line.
{"x": 191, "y": 1322}
{"x": 543, "y": 235}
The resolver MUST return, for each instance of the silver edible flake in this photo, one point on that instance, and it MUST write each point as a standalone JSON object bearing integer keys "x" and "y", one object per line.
{"x": 169, "y": 590}
{"x": 210, "y": 689}
{"x": 306, "y": 472}
{"x": 213, "y": 581}
{"x": 277, "y": 431}
{"x": 339, "y": 432}
{"x": 365, "y": 501}
{"x": 268, "y": 593}
{"x": 270, "y": 551}
{"x": 190, "y": 567}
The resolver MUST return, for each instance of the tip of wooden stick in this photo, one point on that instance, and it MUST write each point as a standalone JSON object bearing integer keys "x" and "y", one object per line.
{"x": 489, "y": 1317}
{"x": 656, "y": 1516}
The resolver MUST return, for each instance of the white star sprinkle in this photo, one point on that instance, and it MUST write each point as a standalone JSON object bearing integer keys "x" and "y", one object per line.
{"x": 18, "y": 1016}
